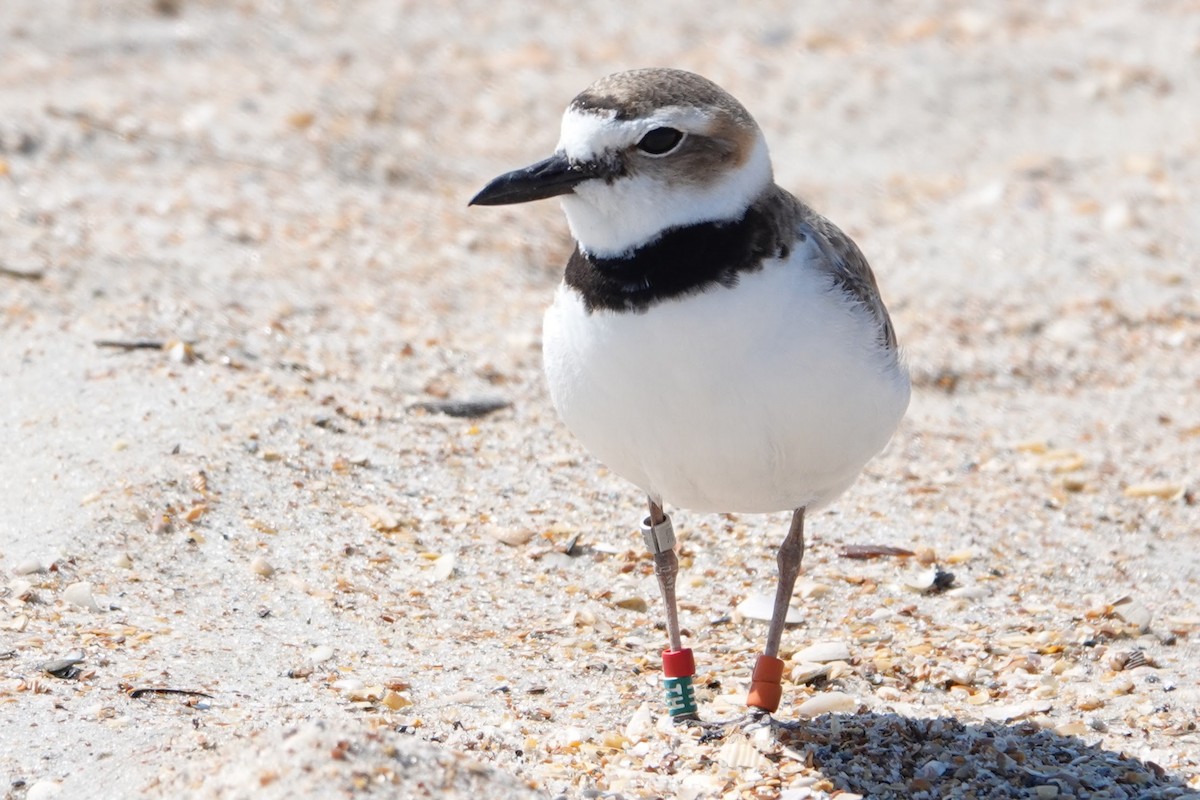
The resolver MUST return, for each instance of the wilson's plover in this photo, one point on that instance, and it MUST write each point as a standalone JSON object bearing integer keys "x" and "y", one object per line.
{"x": 715, "y": 341}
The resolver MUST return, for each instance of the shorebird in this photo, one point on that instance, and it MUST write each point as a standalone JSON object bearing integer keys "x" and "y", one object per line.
{"x": 714, "y": 341}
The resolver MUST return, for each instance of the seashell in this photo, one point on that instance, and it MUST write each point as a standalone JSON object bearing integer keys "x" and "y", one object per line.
{"x": 826, "y": 703}
{"x": 80, "y": 594}
{"x": 443, "y": 567}
{"x": 1131, "y": 660}
{"x": 759, "y": 606}
{"x": 180, "y": 352}
{"x": 43, "y": 790}
{"x": 512, "y": 537}
{"x": 395, "y": 701}
{"x": 1164, "y": 490}
{"x": 64, "y": 668}
{"x": 808, "y": 672}
{"x": 471, "y": 408}
{"x": 1014, "y": 711}
{"x": 811, "y": 590}
{"x": 822, "y": 652}
{"x": 931, "y": 581}
{"x": 29, "y": 566}
{"x": 320, "y": 653}
{"x": 739, "y": 753}
{"x": 640, "y": 725}
{"x": 1134, "y": 613}
{"x": 364, "y": 693}
{"x": 973, "y": 592}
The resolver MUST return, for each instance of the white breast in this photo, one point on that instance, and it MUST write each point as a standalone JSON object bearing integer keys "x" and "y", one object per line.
{"x": 765, "y": 397}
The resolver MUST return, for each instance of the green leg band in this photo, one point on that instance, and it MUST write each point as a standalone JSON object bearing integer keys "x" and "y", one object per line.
{"x": 681, "y": 696}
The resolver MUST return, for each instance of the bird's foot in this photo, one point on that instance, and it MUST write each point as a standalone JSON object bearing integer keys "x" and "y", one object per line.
{"x": 748, "y": 724}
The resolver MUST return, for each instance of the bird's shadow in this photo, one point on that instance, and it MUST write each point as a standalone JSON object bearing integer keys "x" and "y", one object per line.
{"x": 893, "y": 756}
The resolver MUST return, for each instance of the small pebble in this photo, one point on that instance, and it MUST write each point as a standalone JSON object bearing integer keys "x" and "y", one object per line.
{"x": 638, "y": 604}
{"x": 1117, "y": 216}
{"x": 262, "y": 567}
{"x": 122, "y": 561}
{"x": 80, "y": 594}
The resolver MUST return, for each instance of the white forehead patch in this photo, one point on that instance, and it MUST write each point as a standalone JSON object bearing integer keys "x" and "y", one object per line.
{"x": 587, "y": 134}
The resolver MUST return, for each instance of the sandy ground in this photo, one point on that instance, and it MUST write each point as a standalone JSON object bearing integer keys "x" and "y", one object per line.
{"x": 377, "y": 599}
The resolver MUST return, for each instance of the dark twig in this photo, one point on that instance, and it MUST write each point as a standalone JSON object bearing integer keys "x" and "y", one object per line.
{"x": 22, "y": 275}
{"x": 136, "y": 693}
{"x": 136, "y": 344}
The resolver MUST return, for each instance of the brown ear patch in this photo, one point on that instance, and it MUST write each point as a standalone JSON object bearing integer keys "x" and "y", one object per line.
{"x": 704, "y": 158}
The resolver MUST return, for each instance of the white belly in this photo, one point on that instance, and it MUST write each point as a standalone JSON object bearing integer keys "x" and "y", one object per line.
{"x": 765, "y": 397}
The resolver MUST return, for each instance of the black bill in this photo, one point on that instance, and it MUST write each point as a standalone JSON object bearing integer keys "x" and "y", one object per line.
{"x": 552, "y": 177}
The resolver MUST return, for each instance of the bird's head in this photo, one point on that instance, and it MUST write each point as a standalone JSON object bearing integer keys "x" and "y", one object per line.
{"x": 642, "y": 152}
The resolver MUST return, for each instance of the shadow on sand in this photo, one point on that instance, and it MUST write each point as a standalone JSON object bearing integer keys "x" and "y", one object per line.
{"x": 891, "y": 756}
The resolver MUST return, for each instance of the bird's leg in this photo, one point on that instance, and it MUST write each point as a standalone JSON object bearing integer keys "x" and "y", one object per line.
{"x": 766, "y": 689}
{"x": 660, "y": 538}
{"x": 678, "y": 664}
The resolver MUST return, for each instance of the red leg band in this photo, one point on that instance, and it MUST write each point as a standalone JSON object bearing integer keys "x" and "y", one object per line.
{"x": 766, "y": 687}
{"x": 678, "y": 663}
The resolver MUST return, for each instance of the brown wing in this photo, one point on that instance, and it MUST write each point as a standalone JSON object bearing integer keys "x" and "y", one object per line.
{"x": 849, "y": 269}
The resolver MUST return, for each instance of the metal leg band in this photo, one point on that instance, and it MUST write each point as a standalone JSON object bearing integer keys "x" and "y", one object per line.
{"x": 659, "y": 538}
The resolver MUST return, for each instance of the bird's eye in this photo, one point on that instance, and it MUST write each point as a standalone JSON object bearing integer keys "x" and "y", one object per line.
{"x": 660, "y": 141}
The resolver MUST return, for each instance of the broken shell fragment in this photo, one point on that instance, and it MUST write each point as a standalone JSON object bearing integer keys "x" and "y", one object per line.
{"x": 823, "y": 652}
{"x": 826, "y": 703}
{"x": 80, "y": 594}
{"x": 759, "y": 607}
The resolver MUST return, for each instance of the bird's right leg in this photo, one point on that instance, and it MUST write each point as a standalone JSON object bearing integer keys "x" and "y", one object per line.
{"x": 765, "y": 684}
{"x": 678, "y": 664}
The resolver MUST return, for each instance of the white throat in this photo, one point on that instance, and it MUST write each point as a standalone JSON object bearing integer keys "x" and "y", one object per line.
{"x": 611, "y": 219}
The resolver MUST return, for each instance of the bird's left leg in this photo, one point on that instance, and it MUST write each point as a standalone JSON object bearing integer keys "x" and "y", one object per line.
{"x": 766, "y": 689}
{"x": 678, "y": 664}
